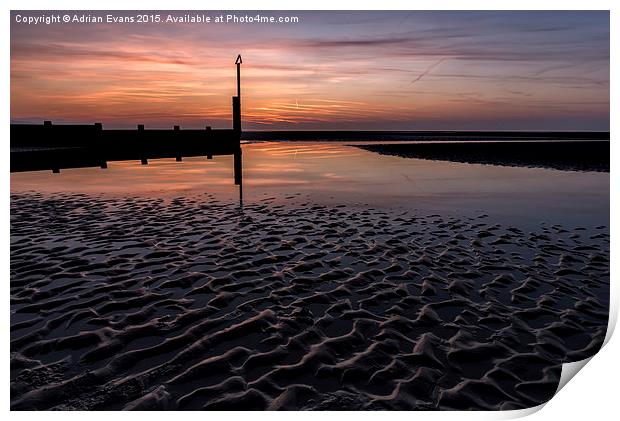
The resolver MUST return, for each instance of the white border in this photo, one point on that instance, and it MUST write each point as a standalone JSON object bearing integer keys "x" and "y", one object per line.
{"x": 591, "y": 395}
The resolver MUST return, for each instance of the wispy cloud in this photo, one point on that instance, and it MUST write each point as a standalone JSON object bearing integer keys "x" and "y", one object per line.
{"x": 333, "y": 70}
{"x": 427, "y": 71}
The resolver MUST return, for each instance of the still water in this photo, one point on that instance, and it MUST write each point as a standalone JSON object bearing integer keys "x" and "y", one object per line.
{"x": 339, "y": 173}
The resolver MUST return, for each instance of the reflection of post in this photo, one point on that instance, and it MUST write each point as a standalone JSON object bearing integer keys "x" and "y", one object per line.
{"x": 238, "y": 168}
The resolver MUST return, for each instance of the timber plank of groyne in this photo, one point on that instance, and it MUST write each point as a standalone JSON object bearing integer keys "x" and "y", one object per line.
{"x": 47, "y": 146}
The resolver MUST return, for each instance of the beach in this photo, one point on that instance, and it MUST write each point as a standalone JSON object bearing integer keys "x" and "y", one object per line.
{"x": 315, "y": 210}
{"x": 573, "y": 155}
{"x": 193, "y": 302}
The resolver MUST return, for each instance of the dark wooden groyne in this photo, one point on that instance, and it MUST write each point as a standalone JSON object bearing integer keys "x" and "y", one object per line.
{"x": 48, "y": 146}
{"x": 51, "y": 147}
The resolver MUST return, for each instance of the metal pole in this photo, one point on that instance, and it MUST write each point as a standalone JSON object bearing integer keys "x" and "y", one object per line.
{"x": 237, "y": 99}
{"x": 238, "y": 63}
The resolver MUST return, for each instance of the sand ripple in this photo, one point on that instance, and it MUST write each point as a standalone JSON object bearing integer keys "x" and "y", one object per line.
{"x": 193, "y": 304}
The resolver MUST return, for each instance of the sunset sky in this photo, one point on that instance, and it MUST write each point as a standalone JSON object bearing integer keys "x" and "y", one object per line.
{"x": 332, "y": 70}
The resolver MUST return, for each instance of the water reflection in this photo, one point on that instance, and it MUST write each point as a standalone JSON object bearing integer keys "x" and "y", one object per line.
{"x": 331, "y": 173}
{"x": 238, "y": 169}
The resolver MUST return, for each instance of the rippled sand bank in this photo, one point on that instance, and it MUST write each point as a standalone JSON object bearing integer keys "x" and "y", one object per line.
{"x": 194, "y": 304}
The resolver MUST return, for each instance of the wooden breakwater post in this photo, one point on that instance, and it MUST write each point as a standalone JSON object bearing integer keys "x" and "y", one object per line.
{"x": 99, "y": 146}
{"x": 142, "y": 145}
{"x": 176, "y": 131}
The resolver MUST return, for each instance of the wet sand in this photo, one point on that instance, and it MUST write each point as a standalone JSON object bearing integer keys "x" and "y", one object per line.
{"x": 192, "y": 303}
{"x": 421, "y": 135}
{"x": 560, "y": 155}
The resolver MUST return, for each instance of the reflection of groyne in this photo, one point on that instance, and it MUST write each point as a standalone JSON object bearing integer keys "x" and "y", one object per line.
{"x": 563, "y": 155}
{"x": 54, "y": 147}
